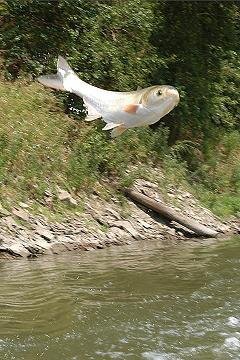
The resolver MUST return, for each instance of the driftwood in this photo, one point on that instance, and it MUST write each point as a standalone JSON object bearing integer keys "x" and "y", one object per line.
{"x": 170, "y": 214}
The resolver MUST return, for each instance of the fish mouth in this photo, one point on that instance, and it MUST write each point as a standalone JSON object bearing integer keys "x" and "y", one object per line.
{"x": 172, "y": 91}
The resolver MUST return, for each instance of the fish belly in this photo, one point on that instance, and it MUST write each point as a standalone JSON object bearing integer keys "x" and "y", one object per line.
{"x": 138, "y": 120}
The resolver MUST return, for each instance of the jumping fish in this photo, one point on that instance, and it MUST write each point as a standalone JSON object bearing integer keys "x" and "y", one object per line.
{"x": 120, "y": 110}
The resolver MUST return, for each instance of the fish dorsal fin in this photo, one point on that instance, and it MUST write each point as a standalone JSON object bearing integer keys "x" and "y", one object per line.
{"x": 92, "y": 113}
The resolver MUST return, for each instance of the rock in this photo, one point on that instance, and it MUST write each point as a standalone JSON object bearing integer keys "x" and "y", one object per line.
{"x": 104, "y": 219}
{"x": 46, "y": 234}
{"x": 23, "y": 205}
{"x": 126, "y": 225}
{"x": 180, "y": 197}
{"x": 171, "y": 231}
{"x": 10, "y": 222}
{"x": 115, "y": 200}
{"x": 180, "y": 233}
{"x": 116, "y": 231}
{"x": 63, "y": 195}
{"x": 187, "y": 195}
{"x": 114, "y": 213}
{"x": 18, "y": 249}
{"x": 144, "y": 224}
{"x": 73, "y": 201}
{"x": 42, "y": 243}
{"x": 48, "y": 193}
{"x": 58, "y": 248}
{"x": 21, "y": 214}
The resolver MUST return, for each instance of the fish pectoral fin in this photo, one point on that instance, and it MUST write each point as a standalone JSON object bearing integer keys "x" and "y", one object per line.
{"x": 131, "y": 108}
{"x": 92, "y": 113}
{"x": 110, "y": 126}
{"x": 118, "y": 131}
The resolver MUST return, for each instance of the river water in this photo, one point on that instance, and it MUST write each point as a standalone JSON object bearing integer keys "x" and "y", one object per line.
{"x": 149, "y": 300}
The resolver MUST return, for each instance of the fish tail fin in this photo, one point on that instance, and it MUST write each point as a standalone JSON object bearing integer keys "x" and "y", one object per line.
{"x": 64, "y": 79}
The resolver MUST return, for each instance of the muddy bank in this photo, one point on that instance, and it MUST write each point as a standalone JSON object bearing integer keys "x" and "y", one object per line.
{"x": 104, "y": 224}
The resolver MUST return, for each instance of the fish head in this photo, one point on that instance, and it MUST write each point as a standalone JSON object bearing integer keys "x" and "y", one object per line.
{"x": 160, "y": 99}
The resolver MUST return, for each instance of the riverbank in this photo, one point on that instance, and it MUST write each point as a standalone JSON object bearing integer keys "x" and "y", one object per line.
{"x": 57, "y": 175}
{"x": 103, "y": 223}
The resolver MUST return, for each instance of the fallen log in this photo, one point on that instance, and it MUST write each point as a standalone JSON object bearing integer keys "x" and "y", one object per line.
{"x": 170, "y": 214}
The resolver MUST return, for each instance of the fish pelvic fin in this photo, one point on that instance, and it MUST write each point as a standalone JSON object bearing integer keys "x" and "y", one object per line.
{"x": 64, "y": 79}
{"x": 117, "y": 131}
{"x": 92, "y": 113}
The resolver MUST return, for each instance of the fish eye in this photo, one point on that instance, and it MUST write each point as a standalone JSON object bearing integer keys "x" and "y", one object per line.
{"x": 159, "y": 92}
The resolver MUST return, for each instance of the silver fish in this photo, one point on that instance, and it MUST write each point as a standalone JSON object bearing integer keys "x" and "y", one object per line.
{"x": 120, "y": 110}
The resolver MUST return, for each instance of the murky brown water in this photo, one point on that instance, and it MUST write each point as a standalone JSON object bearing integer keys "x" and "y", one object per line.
{"x": 148, "y": 301}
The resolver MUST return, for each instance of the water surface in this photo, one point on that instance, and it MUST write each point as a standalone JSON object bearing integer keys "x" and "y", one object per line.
{"x": 149, "y": 300}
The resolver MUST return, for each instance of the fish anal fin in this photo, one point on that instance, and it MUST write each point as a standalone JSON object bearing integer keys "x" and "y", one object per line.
{"x": 92, "y": 113}
{"x": 110, "y": 126}
{"x": 131, "y": 108}
{"x": 117, "y": 131}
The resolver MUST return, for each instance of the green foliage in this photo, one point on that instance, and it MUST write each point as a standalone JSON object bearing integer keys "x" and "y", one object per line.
{"x": 199, "y": 43}
{"x": 111, "y": 158}
{"x": 105, "y": 41}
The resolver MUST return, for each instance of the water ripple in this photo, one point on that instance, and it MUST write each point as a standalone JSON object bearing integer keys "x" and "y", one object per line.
{"x": 149, "y": 301}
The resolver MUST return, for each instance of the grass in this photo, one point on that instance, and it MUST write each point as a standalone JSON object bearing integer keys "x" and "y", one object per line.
{"x": 33, "y": 135}
{"x": 41, "y": 147}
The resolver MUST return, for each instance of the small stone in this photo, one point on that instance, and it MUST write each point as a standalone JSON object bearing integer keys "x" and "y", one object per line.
{"x": 171, "y": 231}
{"x": 47, "y": 193}
{"x": 63, "y": 195}
{"x": 46, "y": 234}
{"x": 10, "y": 222}
{"x": 180, "y": 197}
{"x": 72, "y": 201}
{"x": 116, "y": 231}
{"x": 180, "y": 233}
{"x": 144, "y": 224}
{"x": 42, "y": 243}
{"x": 58, "y": 248}
{"x": 21, "y": 214}
{"x": 23, "y": 205}
{"x": 126, "y": 225}
{"x": 78, "y": 214}
{"x": 233, "y": 321}
{"x": 114, "y": 213}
